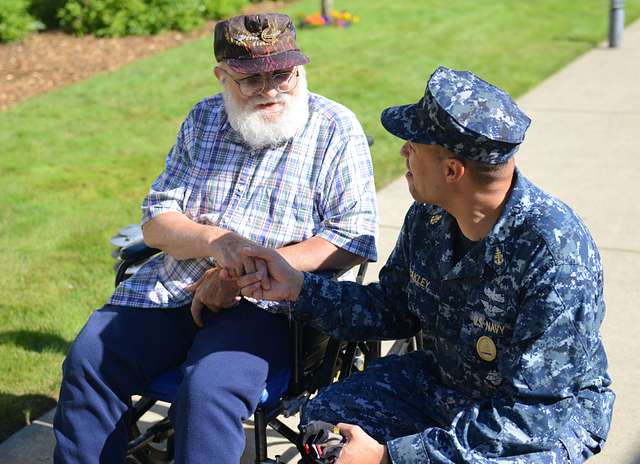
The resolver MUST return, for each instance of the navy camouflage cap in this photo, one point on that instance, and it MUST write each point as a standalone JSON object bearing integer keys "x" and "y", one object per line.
{"x": 464, "y": 114}
{"x": 257, "y": 43}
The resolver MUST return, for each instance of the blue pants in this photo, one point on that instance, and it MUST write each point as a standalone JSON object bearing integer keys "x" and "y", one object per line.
{"x": 120, "y": 350}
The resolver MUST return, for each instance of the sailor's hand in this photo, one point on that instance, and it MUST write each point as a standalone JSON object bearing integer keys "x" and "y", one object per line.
{"x": 360, "y": 448}
{"x": 285, "y": 282}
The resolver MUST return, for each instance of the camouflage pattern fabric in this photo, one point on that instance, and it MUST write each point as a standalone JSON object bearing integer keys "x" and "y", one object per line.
{"x": 397, "y": 397}
{"x": 466, "y": 115}
{"x": 513, "y": 368}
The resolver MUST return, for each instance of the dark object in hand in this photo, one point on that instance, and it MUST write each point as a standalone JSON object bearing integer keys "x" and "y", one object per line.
{"x": 321, "y": 442}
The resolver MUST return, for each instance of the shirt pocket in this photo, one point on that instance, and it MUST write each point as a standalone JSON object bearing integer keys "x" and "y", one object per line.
{"x": 304, "y": 206}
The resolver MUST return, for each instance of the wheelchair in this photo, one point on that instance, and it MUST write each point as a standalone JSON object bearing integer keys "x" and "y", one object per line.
{"x": 317, "y": 361}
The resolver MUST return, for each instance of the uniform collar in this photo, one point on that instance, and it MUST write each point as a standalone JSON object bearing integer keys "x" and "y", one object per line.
{"x": 499, "y": 244}
{"x": 442, "y": 226}
{"x": 495, "y": 250}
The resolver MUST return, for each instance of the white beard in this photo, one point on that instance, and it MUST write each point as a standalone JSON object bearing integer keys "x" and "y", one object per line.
{"x": 259, "y": 132}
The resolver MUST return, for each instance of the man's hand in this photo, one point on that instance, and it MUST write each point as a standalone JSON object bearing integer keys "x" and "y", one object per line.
{"x": 226, "y": 252}
{"x": 360, "y": 447}
{"x": 213, "y": 292}
{"x": 285, "y": 282}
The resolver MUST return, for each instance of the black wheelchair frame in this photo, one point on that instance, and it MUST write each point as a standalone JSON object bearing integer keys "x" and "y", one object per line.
{"x": 318, "y": 360}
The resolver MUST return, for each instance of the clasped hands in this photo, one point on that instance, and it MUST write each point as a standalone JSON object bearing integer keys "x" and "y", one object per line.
{"x": 243, "y": 268}
{"x": 217, "y": 288}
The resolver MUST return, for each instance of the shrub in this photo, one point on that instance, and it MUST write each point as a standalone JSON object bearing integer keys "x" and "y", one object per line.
{"x": 184, "y": 15}
{"x": 15, "y": 21}
{"x": 216, "y": 9}
{"x": 111, "y": 18}
{"x": 115, "y": 18}
{"x": 46, "y": 11}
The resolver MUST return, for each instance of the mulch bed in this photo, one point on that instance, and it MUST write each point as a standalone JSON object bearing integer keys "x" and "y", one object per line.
{"x": 48, "y": 60}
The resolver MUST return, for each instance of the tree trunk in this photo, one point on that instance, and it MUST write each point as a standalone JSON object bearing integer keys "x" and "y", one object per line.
{"x": 326, "y": 7}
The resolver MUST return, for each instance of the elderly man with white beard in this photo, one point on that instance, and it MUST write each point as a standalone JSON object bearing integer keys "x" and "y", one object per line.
{"x": 265, "y": 162}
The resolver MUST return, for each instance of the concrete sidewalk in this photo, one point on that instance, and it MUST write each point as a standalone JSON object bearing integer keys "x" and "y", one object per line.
{"x": 584, "y": 147}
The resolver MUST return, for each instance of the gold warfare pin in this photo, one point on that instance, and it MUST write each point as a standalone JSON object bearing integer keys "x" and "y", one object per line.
{"x": 498, "y": 258}
{"x": 435, "y": 218}
{"x": 486, "y": 348}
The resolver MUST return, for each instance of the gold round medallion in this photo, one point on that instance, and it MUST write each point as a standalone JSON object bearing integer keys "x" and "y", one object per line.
{"x": 486, "y": 348}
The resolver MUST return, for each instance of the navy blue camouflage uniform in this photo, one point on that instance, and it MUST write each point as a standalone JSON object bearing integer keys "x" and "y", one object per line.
{"x": 513, "y": 368}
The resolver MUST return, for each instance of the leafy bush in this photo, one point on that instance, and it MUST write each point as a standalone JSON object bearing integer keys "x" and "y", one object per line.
{"x": 15, "y": 21}
{"x": 224, "y": 8}
{"x": 110, "y": 18}
{"x": 116, "y": 18}
{"x": 46, "y": 11}
{"x": 184, "y": 15}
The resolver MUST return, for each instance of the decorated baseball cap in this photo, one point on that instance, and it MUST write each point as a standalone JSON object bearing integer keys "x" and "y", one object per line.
{"x": 257, "y": 43}
{"x": 464, "y": 114}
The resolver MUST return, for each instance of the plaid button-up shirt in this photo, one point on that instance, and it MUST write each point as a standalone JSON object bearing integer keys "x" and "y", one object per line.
{"x": 320, "y": 183}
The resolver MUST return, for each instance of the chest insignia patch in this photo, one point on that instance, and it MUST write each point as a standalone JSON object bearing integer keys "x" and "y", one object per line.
{"x": 486, "y": 348}
{"x": 435, "y": 219}
{"x": 498, "y": 258}
{"x": 489, "y": 325}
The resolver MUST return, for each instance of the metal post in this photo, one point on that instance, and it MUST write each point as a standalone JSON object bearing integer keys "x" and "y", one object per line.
{"x": 616, "y": 23}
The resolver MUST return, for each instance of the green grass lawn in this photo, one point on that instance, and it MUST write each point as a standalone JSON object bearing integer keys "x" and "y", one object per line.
{"x": 75, "y": 163}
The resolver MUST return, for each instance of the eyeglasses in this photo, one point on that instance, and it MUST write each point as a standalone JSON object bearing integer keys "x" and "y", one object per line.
{"x": 282, "y": 81}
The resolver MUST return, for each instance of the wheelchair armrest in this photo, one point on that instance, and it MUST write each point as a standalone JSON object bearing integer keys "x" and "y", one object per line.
{"x": 137, "y": 251}
{"x": 336, "y": 274}
{"x": 362, "y": 269}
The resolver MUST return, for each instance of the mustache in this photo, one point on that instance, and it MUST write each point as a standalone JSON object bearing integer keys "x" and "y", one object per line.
{"x": 262, "y": 100}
